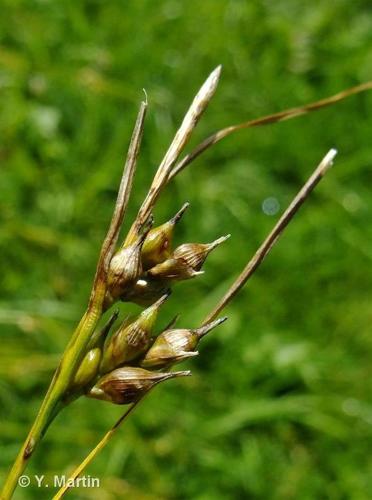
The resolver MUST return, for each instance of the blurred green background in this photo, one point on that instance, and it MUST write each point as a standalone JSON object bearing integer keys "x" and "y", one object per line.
{"x": 280, "y": 404}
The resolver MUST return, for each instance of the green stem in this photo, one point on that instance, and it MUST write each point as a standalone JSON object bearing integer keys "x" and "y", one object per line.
{"x": 57, "y": 389}
{"x": 53, "y": 401}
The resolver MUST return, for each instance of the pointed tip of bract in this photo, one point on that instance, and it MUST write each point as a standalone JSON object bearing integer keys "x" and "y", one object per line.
{"x": 203, "y": 330}
{"x": 184, "y": 373}
{"x": 209, "y": 86}
{"x": 167, "y": 375}
{"x": 327, "y": 161}
{"x": 218, "y": 321}
{"x": 190, "y": 354}
{"x": 163, "y": 298}
{"x": 218, "y": 241}
{"x": 216, "y": 73}
{"x": 177, "y": 217}
{"x": 196, "y": 273}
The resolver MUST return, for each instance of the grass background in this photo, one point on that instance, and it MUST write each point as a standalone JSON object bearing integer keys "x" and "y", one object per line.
{"x": 280, "y": 405}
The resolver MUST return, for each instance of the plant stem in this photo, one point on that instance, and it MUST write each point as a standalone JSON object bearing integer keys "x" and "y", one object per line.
{"x": 191, "y": 119}
{"x": 102, "y": 443}
{"x": 267, "y": 120}
{"x": 50, "y": 406}
{"x": 76, "y": 348}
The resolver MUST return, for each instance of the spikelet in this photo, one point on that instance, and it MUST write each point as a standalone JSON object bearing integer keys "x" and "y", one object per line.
{"x": 130, "y": 340}
{"x": 173, "y": 346}
{"x": 194, "y": 254}
{"x": 126, "y": 266}
{"x": 173, "y": 269}
{"x": 157, "y": 245}
{"x": 186, "y": 261}
{"x": 125, "y": 385}
{"x": 125, "y": 269}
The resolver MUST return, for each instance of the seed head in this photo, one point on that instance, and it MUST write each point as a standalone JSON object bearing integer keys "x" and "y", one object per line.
{"x": 131, "y": 339}
{"x": 186, "y": 261}
{"x": 157, "y": 245}
{"x": 173, "y": 346}
{"x": 125, "y": 385}
{"x": 173, "y": 269}
{"x": 194, "y": 254}
{"x": 125, "y": 268}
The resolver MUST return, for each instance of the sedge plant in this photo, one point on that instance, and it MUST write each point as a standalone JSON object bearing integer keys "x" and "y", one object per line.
{"x": 121, "y": 364}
